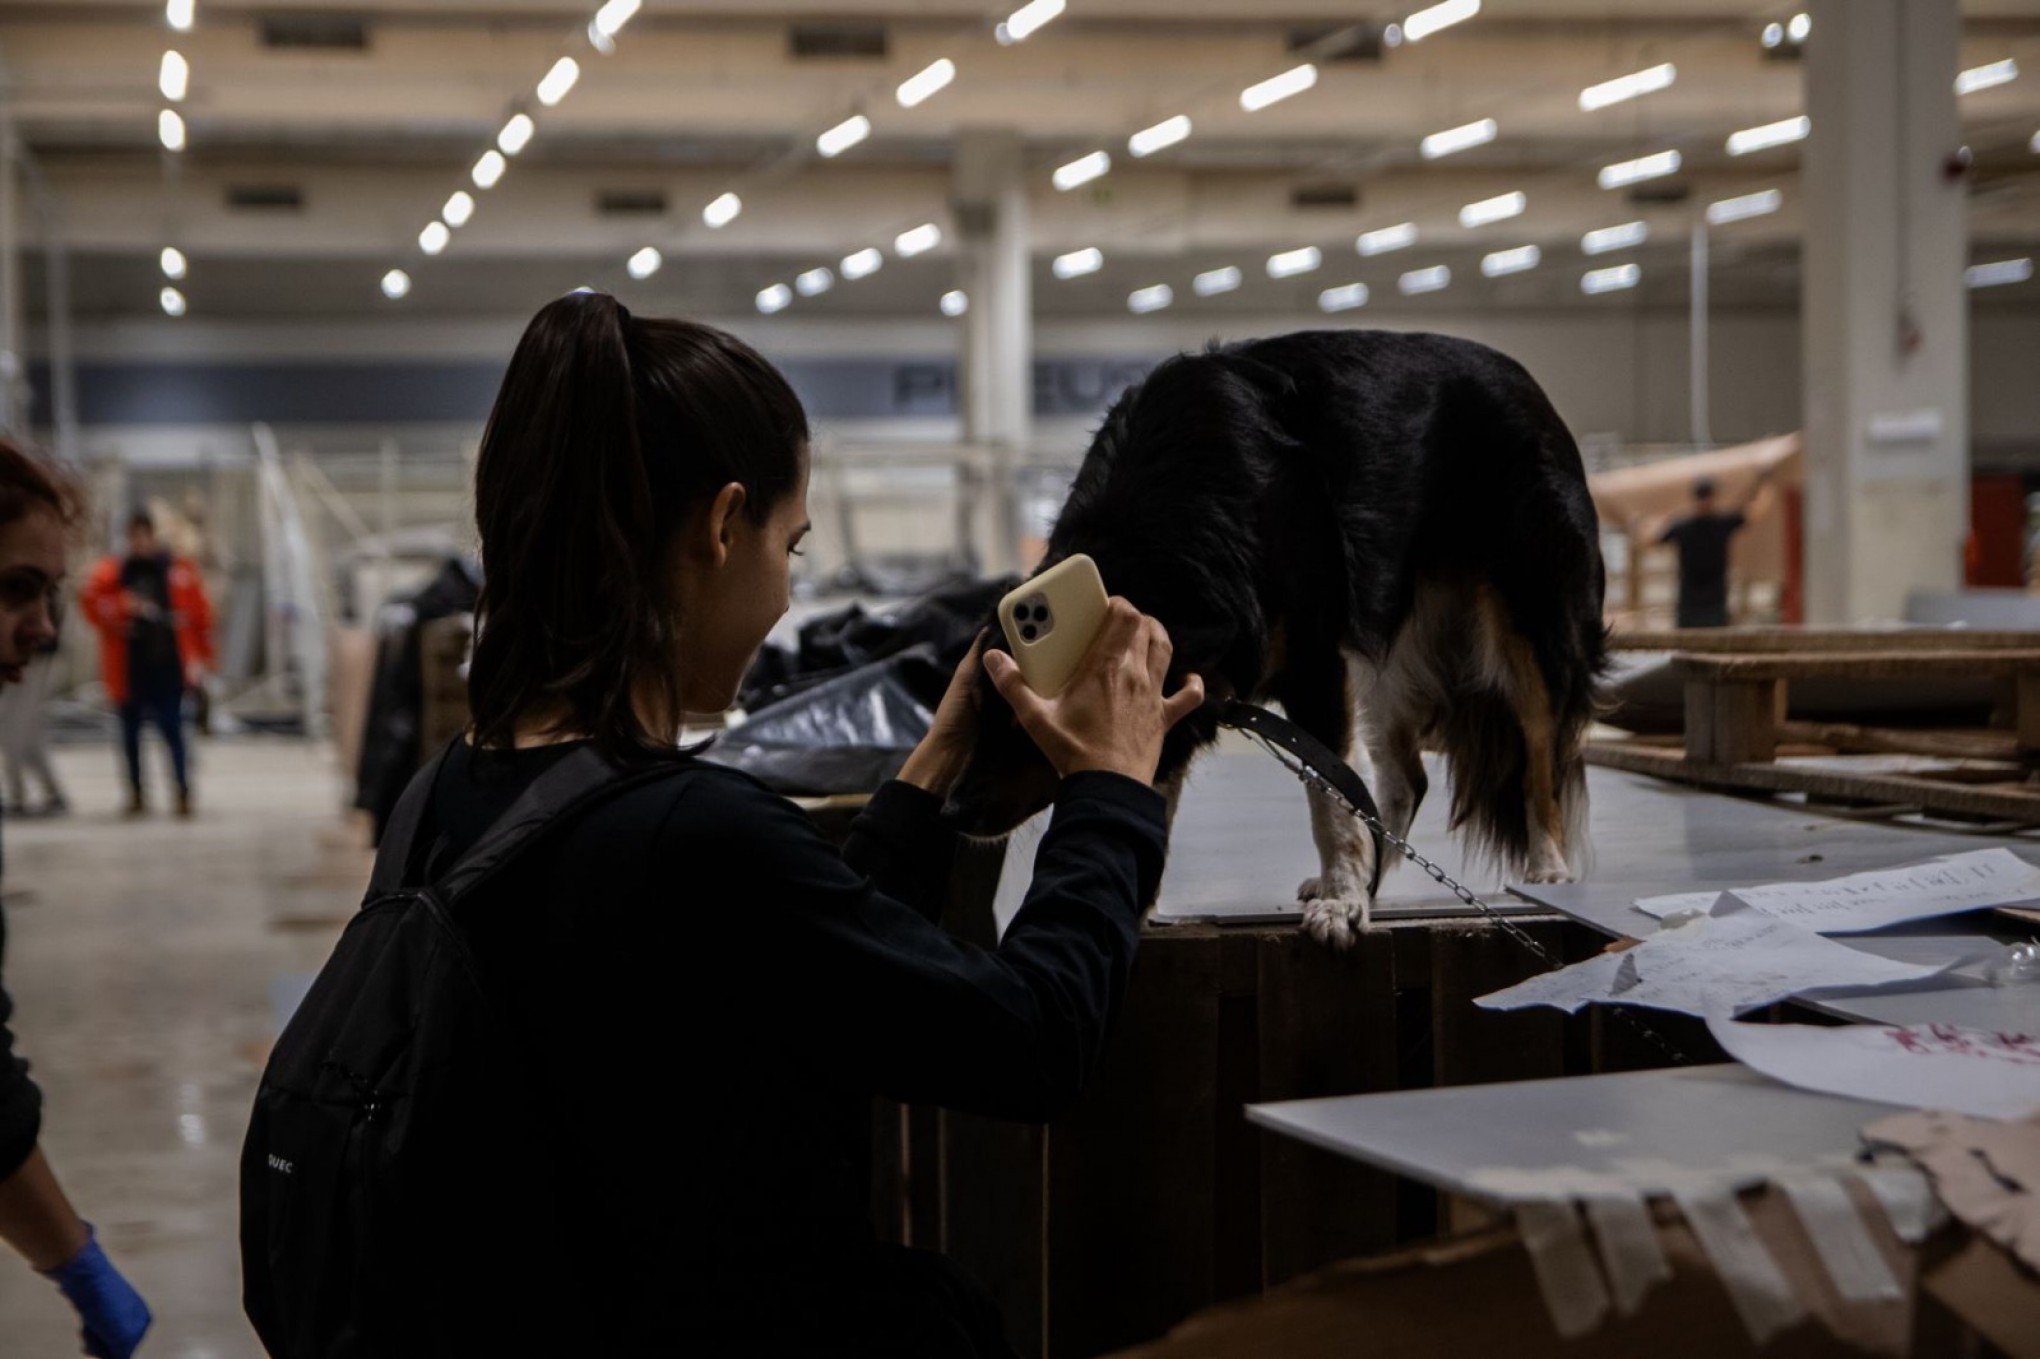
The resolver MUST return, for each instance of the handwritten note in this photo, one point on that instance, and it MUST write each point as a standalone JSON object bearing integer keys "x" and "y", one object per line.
{"x": 1728, "y": 962}
{"x": 1932, "y": 1066}
{"x": 1873, "y": 900}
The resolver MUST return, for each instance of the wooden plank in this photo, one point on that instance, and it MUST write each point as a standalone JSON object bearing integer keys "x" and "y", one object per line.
{"x": 1130, "y": 1171}
{"x": 1961, "y": 743}
{"x": 1757, "y": 641}
{"x": 1928, "y": 795}
{"x": 1967, "y": 663}
{"x": 1472, "y": 1046}
{"x": 1327, "y": 1027}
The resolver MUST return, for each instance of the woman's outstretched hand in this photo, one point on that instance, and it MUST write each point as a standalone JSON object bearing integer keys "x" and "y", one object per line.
{"x": 939, "y": 760}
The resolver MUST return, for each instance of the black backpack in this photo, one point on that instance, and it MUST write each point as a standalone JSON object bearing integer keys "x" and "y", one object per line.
{"x": 389, "y": 1204}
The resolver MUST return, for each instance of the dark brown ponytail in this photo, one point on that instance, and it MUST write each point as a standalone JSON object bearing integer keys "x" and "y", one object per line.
{"x": 606, "y": 432}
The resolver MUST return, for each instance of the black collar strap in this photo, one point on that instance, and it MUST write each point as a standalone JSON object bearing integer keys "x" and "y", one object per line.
{"x": 1319, "y": 759}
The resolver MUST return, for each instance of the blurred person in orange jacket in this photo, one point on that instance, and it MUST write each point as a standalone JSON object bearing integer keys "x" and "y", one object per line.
{"x": 155, "y": 640}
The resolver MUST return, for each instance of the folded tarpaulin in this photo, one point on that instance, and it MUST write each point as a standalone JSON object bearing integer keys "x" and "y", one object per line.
{"x": 845, "y": 734}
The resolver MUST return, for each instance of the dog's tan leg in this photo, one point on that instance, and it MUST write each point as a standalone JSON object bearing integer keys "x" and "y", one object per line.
{"x": 1531, "y": 700}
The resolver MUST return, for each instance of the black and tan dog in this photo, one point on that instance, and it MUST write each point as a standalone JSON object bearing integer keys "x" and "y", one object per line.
{"x": 1388, "y": 534}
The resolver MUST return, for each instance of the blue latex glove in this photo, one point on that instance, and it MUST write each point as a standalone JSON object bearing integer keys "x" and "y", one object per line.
{"x": 114, "y": 1314}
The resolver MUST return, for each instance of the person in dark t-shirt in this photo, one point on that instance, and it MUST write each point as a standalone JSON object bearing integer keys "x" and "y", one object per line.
{"x": 1702, "y": 536}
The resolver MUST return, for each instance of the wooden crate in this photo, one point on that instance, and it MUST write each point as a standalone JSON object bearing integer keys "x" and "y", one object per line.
{"x": 1154, "y": 1197}
{"x": 1737, "y": 736}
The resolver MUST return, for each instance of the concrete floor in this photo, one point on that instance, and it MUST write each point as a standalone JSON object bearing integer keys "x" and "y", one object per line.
{"x": 147, "y": 960}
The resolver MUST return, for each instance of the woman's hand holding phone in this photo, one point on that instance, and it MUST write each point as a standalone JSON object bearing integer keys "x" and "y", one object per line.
{"x": 1112, "y": 714}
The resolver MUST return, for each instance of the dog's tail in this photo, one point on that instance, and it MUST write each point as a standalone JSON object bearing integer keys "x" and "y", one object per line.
{"x": 1525, "y": 682}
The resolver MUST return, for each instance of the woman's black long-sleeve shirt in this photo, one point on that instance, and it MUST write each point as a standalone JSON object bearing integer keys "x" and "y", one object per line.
{"x": 20, "y": 1101}
{"x": 717, "y": 993}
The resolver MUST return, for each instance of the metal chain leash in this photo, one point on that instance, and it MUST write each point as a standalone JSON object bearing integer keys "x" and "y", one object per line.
{"x": 1465, "y": 894}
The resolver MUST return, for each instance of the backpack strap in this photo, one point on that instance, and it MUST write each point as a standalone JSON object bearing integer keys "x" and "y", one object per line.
{"x": 399, "y": 843}
{"x": 554, "y": 799}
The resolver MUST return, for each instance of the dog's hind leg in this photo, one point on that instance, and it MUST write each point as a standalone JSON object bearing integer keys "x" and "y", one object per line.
{"x": 1530, "y": 700}
{"x": 1337, "y": 902}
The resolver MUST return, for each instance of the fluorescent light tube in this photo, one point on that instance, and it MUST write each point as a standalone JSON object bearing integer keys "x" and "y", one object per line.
{"x": 1745, "y": 205}
{"x": 558, "y": 81}
{"x": 644, "y": 263}
{"x": 174, "y": 77}
{"x": 1612, "y": 279}
{"x": 1343, "y": 298}
{"x": 1998, "y": 272}
{"x": 1082, "y": 170}
{"x": 489, "y": 169}
{"x": 1428, "y": 280}
{"x": 516, "y": 134}
{"x": 1212, "y": 282}
{"x": 1275, "y": 89}
{"x": 1649, "y": 80}
{"x": 1768, "y": 135}
{"x": 1984, "y": 77}
{"x": 844, "y": 135}
{"x": 722, "y": 210}
{"x": 1427, "y": 21}
{"x": 925, "y": 83}
{"x": 1289, "y": 263}
{"x": 1167, "y": 132}
{"x": 1381, "y": 240}
{"x": 1141, "y": 301}
{"x": 1077, "y": 263}
{"x": 1497, "y": 209}
{"x": 1601, "y": 240}
{"x": 918, "y": 240}
{"x": 1459, "y": 138}
{"x": 1642, "y": 168}
{"x": 1513, "y": 261}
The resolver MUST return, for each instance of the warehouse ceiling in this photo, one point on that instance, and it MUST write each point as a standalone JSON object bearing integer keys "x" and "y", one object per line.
{"x": 320, "y": 138}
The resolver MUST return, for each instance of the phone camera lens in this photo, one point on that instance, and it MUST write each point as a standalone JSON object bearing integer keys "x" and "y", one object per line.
{"x": 1028, "y": 632}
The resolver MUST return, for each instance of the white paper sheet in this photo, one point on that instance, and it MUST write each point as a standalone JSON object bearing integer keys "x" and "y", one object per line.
{"x": 1930, "y": 1066}
{"x": 1873, "y": 900}
{"x": 1728, "y": 962}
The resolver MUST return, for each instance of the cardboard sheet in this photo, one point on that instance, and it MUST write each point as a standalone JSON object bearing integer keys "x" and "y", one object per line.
{"x": 1986, "y": 1172}
{"x": 1725, "y": 963}
{"x": 1873, "y": 900}
{"x": 1926, "y": 1066}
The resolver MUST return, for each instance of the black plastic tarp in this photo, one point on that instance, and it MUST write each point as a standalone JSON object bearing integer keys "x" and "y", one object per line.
{"x": 835, "y": 643}
{"x": 848, "y": 733}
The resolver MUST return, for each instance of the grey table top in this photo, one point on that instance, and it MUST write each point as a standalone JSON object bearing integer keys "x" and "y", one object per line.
{"x": 1648, "y": 1131}
{"x": 1652, "y": 837}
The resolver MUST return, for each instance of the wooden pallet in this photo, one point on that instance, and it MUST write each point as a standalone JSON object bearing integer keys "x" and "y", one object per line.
{"x": 1737, "y": 736}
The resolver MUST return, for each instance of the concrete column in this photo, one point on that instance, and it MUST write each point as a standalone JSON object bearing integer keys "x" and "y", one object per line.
{"x": 989, "y": 203}
{"x": 1885, "y": 315}
{"x": 13, "y": 361}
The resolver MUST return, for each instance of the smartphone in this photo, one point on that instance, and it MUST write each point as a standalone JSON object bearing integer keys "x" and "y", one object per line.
{"x": 1051, "y": 620}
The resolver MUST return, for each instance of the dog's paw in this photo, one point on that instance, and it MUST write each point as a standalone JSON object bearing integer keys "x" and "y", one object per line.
{"x": 1335, "y": 921}
{"x": 1548, "y": 873}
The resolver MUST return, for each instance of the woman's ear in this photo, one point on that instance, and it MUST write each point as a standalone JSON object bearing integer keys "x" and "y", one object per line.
{"x": 723, "y": 514}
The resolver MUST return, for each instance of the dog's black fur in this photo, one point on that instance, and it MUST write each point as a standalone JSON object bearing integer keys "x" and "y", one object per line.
{"x": 1281, "y": 503}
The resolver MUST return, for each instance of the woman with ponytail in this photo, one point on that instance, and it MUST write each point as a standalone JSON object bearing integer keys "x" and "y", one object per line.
{"x": 710, "y": 993}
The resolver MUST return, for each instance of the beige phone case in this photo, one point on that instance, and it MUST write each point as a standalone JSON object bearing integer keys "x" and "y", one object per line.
{"x": 1050, "y": 622}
